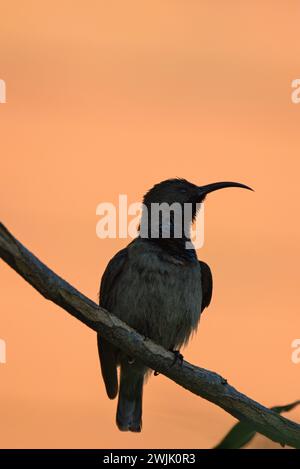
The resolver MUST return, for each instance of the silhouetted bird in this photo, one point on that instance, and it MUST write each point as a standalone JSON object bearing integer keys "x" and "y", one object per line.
{"x": 157, "y": 286}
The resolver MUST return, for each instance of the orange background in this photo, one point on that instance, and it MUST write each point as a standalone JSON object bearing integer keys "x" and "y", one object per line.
{"x": 110, "y": 97}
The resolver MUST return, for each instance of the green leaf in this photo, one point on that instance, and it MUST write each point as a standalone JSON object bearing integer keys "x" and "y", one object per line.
{"x": 242, "y": 433}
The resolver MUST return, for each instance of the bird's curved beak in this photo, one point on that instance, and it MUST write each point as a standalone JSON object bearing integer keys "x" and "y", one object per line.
{"x": 204, "y": 190}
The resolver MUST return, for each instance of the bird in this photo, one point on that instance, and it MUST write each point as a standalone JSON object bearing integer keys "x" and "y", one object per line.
{"x": 158, "y": 287}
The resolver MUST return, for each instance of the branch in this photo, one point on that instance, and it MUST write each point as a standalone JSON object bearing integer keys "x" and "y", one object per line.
{"x": 199, "y": 381}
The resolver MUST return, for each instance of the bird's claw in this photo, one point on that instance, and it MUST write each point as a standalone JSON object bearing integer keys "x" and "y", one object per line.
{"x": 177, "y": 357}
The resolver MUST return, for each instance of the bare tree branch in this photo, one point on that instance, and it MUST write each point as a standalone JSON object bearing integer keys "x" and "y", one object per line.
{"x": 204, "y": 383}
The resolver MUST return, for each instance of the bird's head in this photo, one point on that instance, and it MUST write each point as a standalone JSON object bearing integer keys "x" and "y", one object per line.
{"x": 182, "y": 194}
{"x": 172, "y": 191}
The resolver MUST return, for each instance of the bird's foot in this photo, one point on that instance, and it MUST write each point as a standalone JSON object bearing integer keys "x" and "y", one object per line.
{"x": 177, "y": 357}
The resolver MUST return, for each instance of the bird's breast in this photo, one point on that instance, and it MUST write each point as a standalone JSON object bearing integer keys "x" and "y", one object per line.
{"x": 159, "y": 297}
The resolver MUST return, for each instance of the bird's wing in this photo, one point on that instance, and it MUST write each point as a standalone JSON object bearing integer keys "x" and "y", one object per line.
{"x": 107, "y": 351}
{"x": 207, "y": 284}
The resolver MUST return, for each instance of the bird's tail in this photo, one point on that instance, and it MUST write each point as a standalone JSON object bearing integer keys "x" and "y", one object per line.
{"x": 129, "y": 410}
